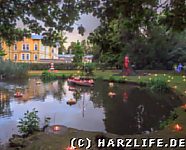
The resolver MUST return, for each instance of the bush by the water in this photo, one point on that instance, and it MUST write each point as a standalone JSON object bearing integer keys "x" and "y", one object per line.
{"x": 169, "y": 120}
{"x": 47, "y": 76}
{"x": 11, "y": 70}
{"x": 29, "y": 123}
{"x": 89, "y": 68}
{"x": 158, "y": 85}
{"x": 57, "y": 66}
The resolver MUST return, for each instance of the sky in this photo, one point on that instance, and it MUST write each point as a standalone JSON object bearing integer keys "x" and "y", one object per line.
{"x": 89, "y": 22}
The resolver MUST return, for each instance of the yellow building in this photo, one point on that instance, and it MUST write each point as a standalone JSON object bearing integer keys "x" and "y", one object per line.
{"x": 29, "y": 50}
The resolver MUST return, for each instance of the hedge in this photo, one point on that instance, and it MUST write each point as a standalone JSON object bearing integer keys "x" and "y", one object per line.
{"x": 46, "y": 66}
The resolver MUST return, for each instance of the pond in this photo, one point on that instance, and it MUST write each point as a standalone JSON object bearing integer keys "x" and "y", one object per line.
{"x": 133, "y": 110}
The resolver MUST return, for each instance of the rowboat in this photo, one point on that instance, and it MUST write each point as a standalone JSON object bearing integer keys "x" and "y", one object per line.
{"x": 81, "y": 81}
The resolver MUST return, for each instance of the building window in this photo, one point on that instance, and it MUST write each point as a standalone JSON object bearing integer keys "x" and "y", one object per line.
{"x": 27, "y": 56}
{"x": 27, "y": 47}
{"x": 23, "y": 56}
{"x": 35, "y": 57}
{"x": 35, "y": 47}
{"x": 24, "y": 47}
{"x": 15, "y": 47}
{"x": 52, "y": 50}
{"x": 15, "y": 57}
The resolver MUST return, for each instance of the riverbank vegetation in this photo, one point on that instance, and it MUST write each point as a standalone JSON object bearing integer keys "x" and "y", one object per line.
{"x": 10, "y": 70}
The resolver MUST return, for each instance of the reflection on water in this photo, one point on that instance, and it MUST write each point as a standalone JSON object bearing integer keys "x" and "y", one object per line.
{"x": 130, "y": 110}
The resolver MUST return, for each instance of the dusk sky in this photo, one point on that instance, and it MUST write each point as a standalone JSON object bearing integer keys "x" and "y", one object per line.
{"x": 89, "y": 22}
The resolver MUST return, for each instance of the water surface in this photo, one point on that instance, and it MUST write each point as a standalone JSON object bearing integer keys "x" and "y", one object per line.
{"x": 133, "y": 110}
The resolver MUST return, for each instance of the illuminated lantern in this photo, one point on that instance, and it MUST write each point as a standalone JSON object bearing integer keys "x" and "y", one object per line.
{"x": 111, "y": 94}
{"x": 70, "y": 148}
{"x": 184, "y": 80}
{"x": 125, "y": 96}
{"x": 111, "y": 84}
{"x": 172, "y": 78}
{"x": 175, "y": 87}
{"x": 155, "y": 75}
{"x": 177, "y": 127}
{"x": 184, "y": 107}
{"x": 164, "y": 75}
{"x": 168, "y": 80}
{"x": 150, "y": 78}
{"x": 139, "y": 77}
{"x": 56, "y": 128}
{"x": 185, "y": 92}
{"x": 183, "y": 76}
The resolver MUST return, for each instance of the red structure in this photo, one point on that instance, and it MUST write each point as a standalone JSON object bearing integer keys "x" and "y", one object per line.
{"x": 126, "y": 65}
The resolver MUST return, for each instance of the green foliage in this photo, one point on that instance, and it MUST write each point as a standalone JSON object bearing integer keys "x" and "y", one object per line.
{"x": 48, "y": 76}
{"x": 12, "y": 70}
{"x": 29, "y": 123}
{"x": 169, "y": 120}
{"x": 158, "y": 85}
{"x": 77, "y": 50}
{"x": 46, "y": 66}
{"x": 89, "y": 68}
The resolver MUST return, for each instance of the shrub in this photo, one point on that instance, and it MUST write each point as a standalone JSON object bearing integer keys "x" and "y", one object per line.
{"x": 158, "y": 85}
{"x": 29, "y": 123}
{"x": 89, "y": 68}
{"x": 168, "y": 121}
{"x": 48, "y": 76}
{"x": 12, "y": 70}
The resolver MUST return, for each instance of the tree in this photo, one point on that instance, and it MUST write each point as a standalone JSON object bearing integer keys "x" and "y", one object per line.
{"x": 62, "y": 41}
{"x": 46, "y": 16}
{"x": 77, "y": 51}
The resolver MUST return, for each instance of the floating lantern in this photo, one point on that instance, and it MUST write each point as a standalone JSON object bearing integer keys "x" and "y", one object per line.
{"x": 56, "y": 128}
{"x": 184, "y": 106}
{"x": 178, "y": 127}
{"x": 111, "y": 84}
{"x": 183, "y": 76}
{"x": 70, "y": 148}
{"x": 155, "y": 75}
{"x": 125, "y": 96}
{"x": 149, "y": 74}
{"x": 172, "y": 78}
{"x": 184, "y": 80}
{"x": 139, "y": 77}
{"x": 175, "y": 87}
{"x": 168, "y": 80}
{"x": 111, "y": 94}
{"x": 185, "y": 92}
{"x": 169, "y": 76}
{"x": 78, "y": 71}
{"x": 150, "y": 78}
{"x": 124, "y": 76}
{"x": 164, "y": 75}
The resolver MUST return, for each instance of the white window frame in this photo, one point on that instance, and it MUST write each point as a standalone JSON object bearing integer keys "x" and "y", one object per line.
{"x": 35, "y": 46}
{"x": 15, "y": 56}
{"x": 35, "y": 55}
{"x": 27, "y": 47}
{"x": 15, "y": 47}
{"x": 22, "y": 58}
{"x": 28, "y": 58}
{"x": 24, "y": 47}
